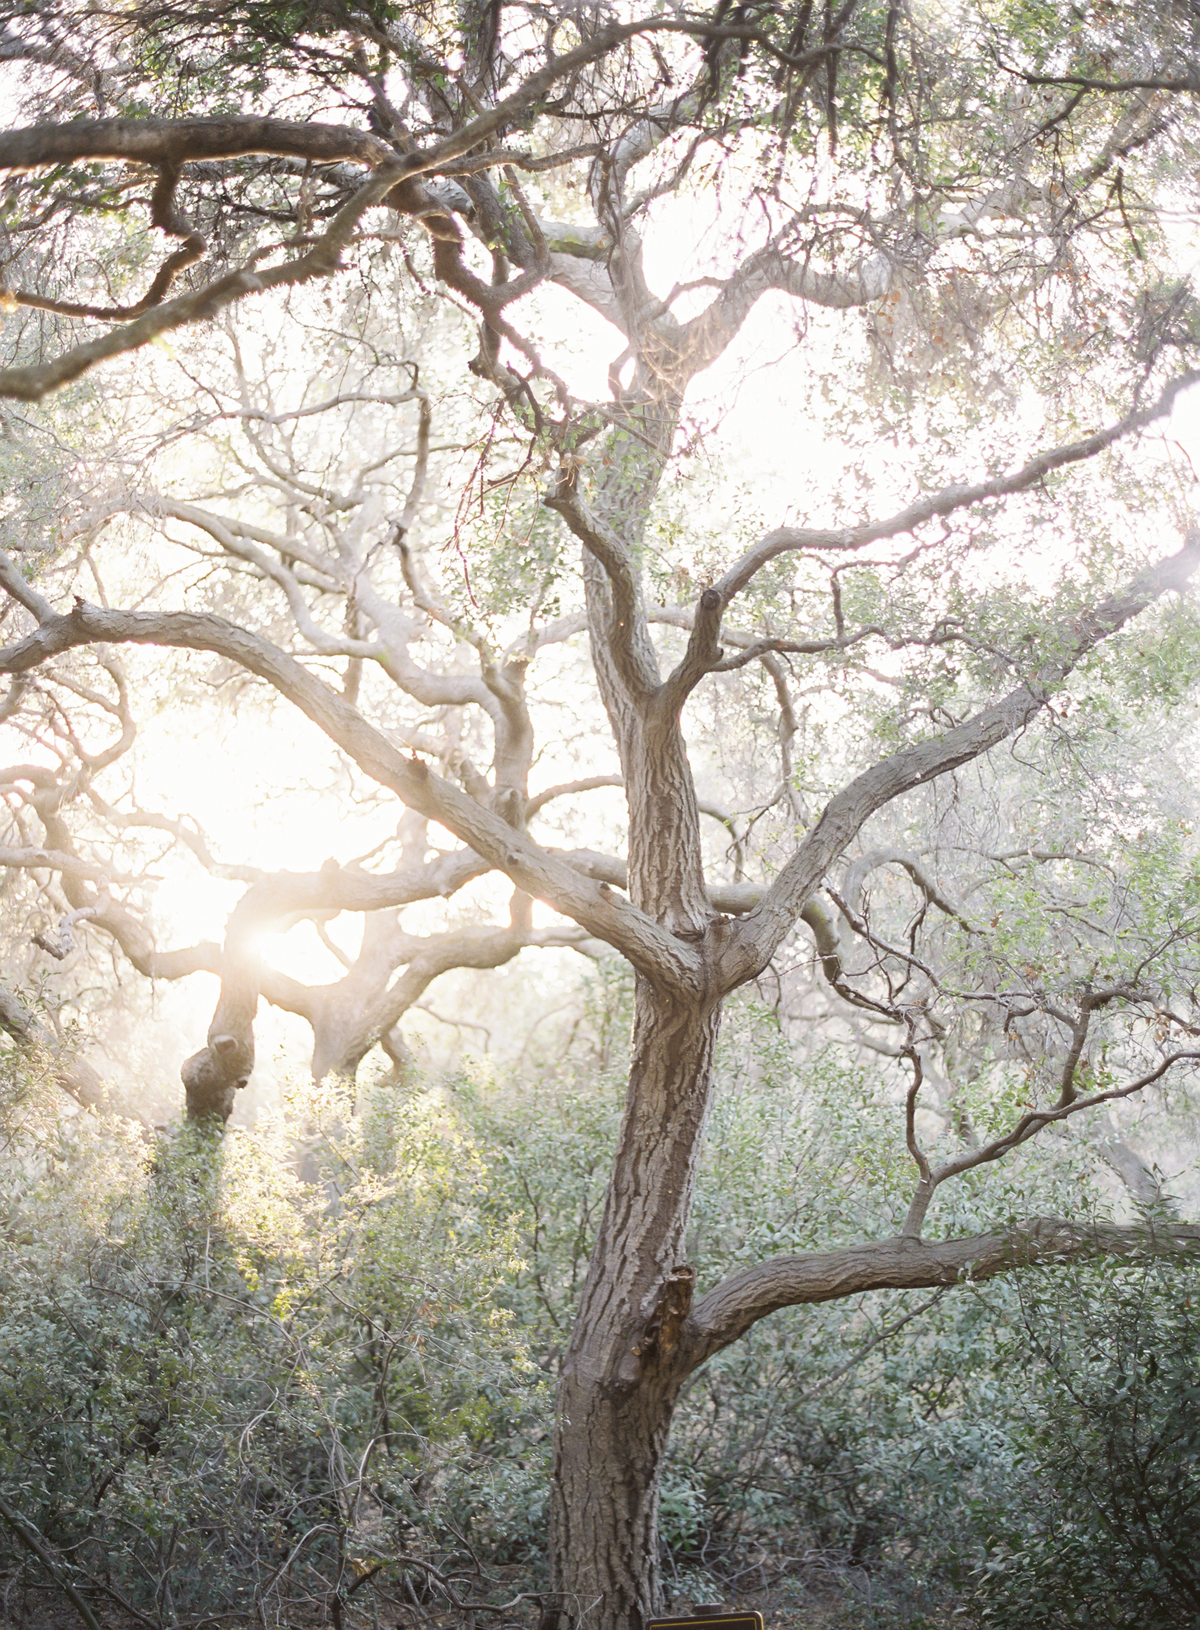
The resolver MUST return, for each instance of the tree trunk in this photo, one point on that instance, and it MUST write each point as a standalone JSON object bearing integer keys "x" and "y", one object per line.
{"x": 620, "y": 1377}
{"x": 620, "y": 1380}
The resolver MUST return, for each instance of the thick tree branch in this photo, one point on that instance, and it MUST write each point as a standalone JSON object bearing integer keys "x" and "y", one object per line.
{"x": 650, "y": 948}
{"x": 706, "y": 336}
{"x": 751, "y": 943}
{"x": 54, "y": 860}
{"x": 703, "y": 654}
{"x": 176, "y": 142}
{"x": 75, "y": 1076}
{"x": 335, "y": 888}
{"x": 730, "y": 1309}
{"x": 351, "y": 1015}
{"x": 631, "y": 654}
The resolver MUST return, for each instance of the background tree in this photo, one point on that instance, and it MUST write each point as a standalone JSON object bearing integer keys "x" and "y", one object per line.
{"x": 973, "y": 225}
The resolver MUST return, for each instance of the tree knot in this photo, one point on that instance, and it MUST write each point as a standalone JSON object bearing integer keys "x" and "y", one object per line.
{"x": 655, "y": 1347}
{"x": 212, "y": 1076}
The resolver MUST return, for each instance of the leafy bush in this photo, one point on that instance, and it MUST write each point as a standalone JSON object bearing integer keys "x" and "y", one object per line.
{"x": 1103, "y": 1526}
{"x": 838, "y": 1445}
{"x": 229, "y": 1390}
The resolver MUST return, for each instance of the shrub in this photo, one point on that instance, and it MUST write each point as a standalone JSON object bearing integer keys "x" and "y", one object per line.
{"x": 226, "y": 1389}
{"x": 1103, "y": 1526}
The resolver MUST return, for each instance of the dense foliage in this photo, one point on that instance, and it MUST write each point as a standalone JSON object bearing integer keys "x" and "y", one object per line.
{"x": 1102, "y": 1523}
{"x": 230, "y": 1388}
{"x": 307, "y": 1369}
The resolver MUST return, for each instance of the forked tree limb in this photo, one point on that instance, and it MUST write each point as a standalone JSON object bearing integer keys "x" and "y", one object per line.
{"x": 747, "y": 945}
{"x": 648, "y": 946}
{"x": 165, "y": 216}
{"x": 751, "y": 942}
{"x": 1027, "y": 1127}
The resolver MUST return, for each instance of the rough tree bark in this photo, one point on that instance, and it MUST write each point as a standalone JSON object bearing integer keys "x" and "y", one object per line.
{"x": 619, "y": 1380}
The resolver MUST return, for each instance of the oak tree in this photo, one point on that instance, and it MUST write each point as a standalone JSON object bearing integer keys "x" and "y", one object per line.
{"x": 970, "y": 222}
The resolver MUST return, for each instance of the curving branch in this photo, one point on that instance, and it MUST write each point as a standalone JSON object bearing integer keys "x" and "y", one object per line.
{"x": 165, "y": 216}
{"x": 730, "y": 1309}
{"x": 170, "y": 144}
{"x": 750, "y": 943}
{"x": 627, "y": 642}
{"x": 650, "y": 947}
{"x": 30, "y": 384}
{"x": 860, "y": 869}
{"x": 175, "y": 142}
{"x": 246, "y": 541}
{"x": 706, "y": 337}
{"x": 437, "y": 954}
{"x": 785, "y": 540}
{"x": 1029, "y": 1125}
{"x": 74, "y": 1075}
